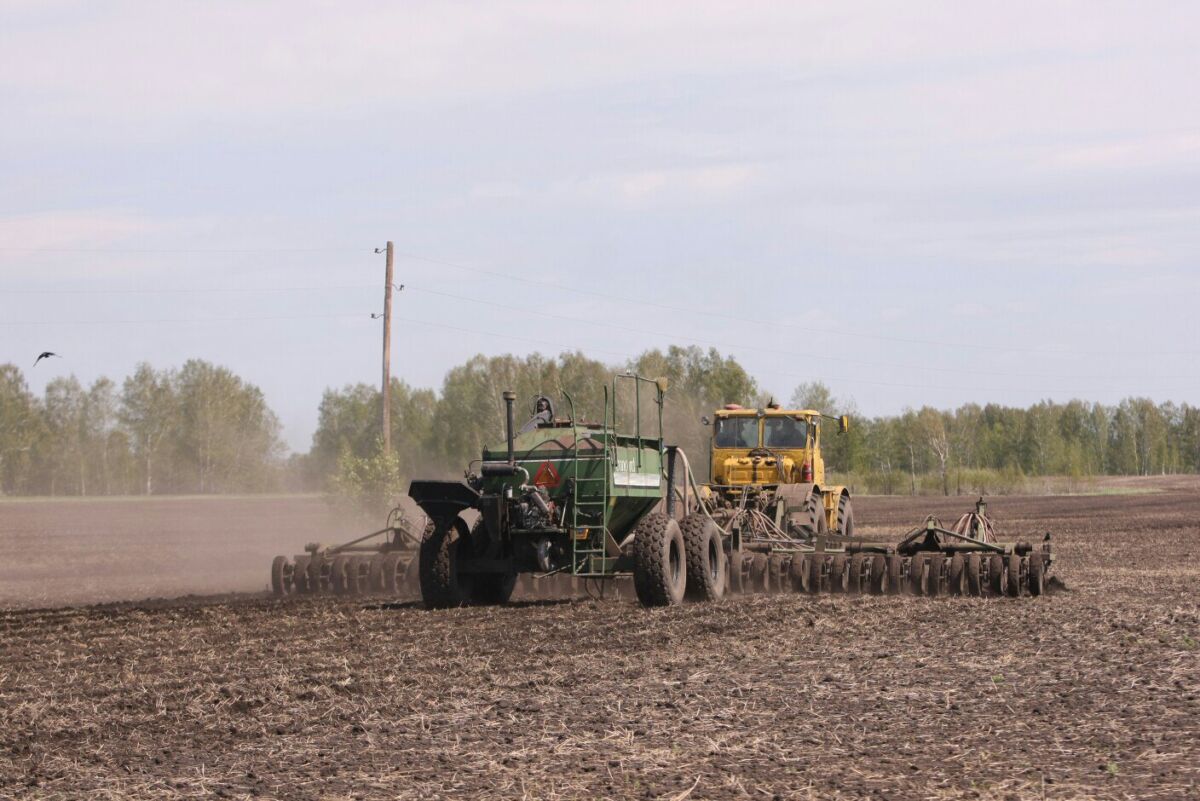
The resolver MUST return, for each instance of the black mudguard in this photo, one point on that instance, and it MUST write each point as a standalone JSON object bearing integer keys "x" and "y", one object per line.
{"x": 443, "y": 500}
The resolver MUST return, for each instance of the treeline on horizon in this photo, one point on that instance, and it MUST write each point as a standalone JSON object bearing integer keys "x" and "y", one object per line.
{"x": 202, "y": 429}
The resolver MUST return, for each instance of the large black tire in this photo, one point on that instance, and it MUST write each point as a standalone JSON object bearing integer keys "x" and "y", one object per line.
{"x": 659, "y": 561}
{"x": 441, "y": 584}
{"x": 845, "y": 517}
{"x": 489, "y": 589}
{"x": 705, "y": 558}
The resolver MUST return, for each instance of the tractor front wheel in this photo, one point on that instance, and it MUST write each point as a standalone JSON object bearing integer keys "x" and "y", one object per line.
{"x": 659, "y": 561}
{"x": 442, "y": 586}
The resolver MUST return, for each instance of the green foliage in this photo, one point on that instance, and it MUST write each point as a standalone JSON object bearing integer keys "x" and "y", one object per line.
{"x": 203, "y": 429}
{"x": 370, "y": 485}
{"x": 698, "y": 382}
{"x": 197, "y": 429}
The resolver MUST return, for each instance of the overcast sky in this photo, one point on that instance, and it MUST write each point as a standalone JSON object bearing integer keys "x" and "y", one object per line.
{"x": 917, "y": 203}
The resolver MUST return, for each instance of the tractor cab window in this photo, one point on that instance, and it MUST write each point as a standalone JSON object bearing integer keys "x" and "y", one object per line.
{"x": 784, "y": 432}
{"x": 736, "y": 432}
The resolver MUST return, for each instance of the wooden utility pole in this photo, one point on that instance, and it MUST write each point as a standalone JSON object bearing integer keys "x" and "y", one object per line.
{"x": 387, "y": 355}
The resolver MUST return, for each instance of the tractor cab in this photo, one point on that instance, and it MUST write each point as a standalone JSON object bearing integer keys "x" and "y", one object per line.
{"x": 756, "y": 448}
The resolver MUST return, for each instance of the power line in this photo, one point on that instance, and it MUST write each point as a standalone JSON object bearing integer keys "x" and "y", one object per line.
{"x": 614, "y": 326}
{"x": 833, "y": 379}
{"x": 542, "y": 283}
{"x": 182, "y": 290}
{"x": 172, "y": 320}
{"x": 491, "y": 335}
{"x": 730, "y": 347}
{"x": 196, "y": 251}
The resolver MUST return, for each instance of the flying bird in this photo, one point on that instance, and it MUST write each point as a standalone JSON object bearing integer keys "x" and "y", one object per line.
{"x": 45, "y": 355}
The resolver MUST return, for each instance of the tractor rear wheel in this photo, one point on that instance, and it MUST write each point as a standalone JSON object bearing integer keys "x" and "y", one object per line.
{"x": 659, "y": 561}
{"x": 845, "y": 517}
{"x": 705, "y": 558}
{"x": 442, "y": 585}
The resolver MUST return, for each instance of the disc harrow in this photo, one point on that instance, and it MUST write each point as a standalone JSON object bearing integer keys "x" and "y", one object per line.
{"x": 931, "y": 560}
{"x": 382, "y": 562}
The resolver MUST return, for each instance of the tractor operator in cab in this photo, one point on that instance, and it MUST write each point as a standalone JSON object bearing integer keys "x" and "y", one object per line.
{"x": 785, "y": 434}
{"x": 543, "y": 414}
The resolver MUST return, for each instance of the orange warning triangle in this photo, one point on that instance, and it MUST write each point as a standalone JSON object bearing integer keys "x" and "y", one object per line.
{"x": 546, "y": 476}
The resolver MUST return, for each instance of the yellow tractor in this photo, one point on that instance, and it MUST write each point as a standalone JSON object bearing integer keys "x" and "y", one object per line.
{"x": 768, "y": 462}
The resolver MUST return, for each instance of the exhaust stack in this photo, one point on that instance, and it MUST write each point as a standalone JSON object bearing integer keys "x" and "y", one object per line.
{"x": 509, "y": 397}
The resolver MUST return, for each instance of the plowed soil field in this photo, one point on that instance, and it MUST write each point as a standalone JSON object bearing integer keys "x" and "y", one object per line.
{"x": 1089, "y": 693}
